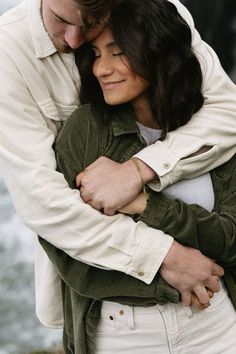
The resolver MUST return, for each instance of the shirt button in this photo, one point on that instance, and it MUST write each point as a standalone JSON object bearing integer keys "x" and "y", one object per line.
{"x": 166, "y": 165}
{"x": 121, "y": 312}
{"x": 111, "y": 318}
{"x": 141, "y": 274}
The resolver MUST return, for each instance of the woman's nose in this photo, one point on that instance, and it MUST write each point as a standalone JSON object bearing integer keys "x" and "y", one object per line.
{"x": 102, "y": 67}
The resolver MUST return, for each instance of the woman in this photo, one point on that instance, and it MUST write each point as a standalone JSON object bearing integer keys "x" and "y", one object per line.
{"x": 142, "y": 80}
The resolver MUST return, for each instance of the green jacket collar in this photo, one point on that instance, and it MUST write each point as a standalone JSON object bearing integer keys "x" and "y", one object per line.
{"x": 124, "y": 122}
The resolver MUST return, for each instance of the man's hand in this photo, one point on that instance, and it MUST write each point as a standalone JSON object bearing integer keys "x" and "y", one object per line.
{"x": 189, "y": 271}
{"x": 108, "y": 186}
{"x": 195, "y": 302}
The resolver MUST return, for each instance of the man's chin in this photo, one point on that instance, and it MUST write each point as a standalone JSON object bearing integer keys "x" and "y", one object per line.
{"x": 68, "y": 50}
{"x": 64, "y": 49}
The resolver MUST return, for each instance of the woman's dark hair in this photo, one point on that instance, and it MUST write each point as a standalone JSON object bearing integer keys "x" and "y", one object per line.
{"x": 157, "y": 43}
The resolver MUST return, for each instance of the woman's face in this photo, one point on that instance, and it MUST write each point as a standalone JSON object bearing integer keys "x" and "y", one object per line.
{"x": 118, "y": 81}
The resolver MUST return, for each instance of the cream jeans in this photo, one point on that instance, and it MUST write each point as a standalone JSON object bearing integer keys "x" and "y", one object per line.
{"x": 168, "y": 329}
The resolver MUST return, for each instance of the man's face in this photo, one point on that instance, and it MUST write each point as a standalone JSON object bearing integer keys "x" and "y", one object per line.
{"x": 63, "y": 22}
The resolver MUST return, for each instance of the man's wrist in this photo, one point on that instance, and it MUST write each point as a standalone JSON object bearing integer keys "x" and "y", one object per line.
{"x": 170, "y": 258}
{"x": 146, "y": 172}
{"x": 137, "y": 166}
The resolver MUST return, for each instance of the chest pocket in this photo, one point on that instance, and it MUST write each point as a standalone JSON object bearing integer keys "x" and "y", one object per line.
{"x": 55, "y": 113}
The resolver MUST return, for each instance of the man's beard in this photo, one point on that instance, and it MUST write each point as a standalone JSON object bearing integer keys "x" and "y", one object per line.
{"x": 61, "y": 46}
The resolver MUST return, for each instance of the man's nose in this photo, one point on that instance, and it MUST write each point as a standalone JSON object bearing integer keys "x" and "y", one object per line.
{"x": 74, "y": 36}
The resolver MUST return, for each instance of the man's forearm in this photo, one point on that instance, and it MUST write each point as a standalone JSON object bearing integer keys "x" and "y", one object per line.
{"x": 110, "y": 285}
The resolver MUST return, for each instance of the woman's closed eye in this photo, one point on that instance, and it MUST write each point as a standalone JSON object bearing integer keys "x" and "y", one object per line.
{"x": 118, "y": 53}
{"x": 115, "y": 50}
{"x": 114, "y": 53}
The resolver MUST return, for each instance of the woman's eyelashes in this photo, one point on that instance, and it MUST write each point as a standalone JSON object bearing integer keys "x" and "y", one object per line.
{"x": 113, "y": 53}
{"x": 96, "y": 56}
{"x": 117, "y": 54}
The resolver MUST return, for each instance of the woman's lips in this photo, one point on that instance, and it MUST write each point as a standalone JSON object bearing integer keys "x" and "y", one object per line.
{"x": 110, "y": 85}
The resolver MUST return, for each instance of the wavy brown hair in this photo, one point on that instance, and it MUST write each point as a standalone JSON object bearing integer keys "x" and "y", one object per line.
{"x": 157, "y": 43}
{"x": 98, "y": 8}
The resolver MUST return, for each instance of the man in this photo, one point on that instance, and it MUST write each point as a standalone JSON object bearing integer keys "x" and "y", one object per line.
{"x": 39, "y": 90}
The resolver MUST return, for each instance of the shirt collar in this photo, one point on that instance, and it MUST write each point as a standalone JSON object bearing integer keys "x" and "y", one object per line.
{"x": 123, "y": 121}
{"x": 42, "y": 43}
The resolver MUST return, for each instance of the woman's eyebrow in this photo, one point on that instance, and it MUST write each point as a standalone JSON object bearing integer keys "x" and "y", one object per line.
{"x": 108, "y": 45}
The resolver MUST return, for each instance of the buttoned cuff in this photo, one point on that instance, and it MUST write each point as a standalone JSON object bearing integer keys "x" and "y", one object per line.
{"x": 171, "y": 159}
{"x": 162, "y": 161}
{"x": 149, "y": 256}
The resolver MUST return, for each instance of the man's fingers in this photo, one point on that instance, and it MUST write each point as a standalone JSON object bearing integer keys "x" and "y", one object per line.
{"x": 217, "y": 270}
{"x": 213, "y": 284}
{"x": 202, "y": 295}
{"x": 85, "y": 196}
{"x": 78, "y": 180}
{"x": 186, "y": 298}
{"x": 109, "y": 211}
{"x": 210, "y": 293}
{"x": 195, "y": 301}
{"x": 95, "y": 205}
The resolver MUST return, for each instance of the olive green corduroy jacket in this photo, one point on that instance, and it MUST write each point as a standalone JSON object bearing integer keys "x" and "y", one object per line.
{"x": 88, "y": 135}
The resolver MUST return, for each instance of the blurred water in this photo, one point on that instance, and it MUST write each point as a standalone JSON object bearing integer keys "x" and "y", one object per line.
{"x": 7, "y": 4}
{"x": 20, "y": 331}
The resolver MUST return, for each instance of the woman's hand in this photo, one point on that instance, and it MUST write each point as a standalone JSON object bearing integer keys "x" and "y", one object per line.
{"x": 137, "y": 205}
